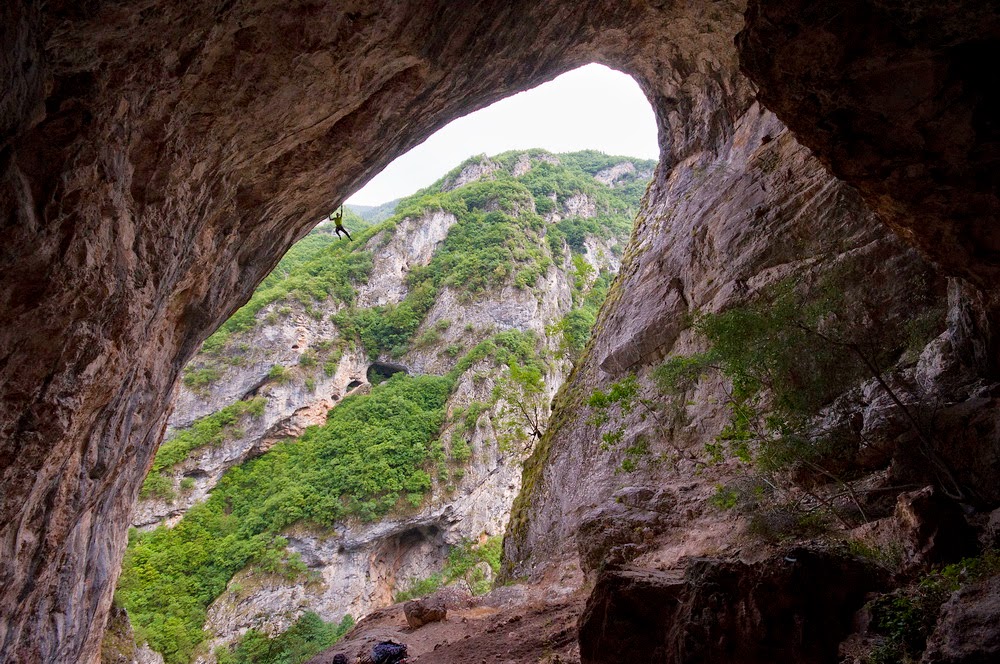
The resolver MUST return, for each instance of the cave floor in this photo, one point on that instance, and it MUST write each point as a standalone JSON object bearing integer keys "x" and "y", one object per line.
{"x": 512, "y": 625}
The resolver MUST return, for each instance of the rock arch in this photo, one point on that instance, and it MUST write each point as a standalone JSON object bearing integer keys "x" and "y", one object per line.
{"x": 156, "y": 163}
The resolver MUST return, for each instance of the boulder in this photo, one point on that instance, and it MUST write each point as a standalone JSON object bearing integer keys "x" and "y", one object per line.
{"x": 419, "y": 612}
{"x": 968, "y": 631}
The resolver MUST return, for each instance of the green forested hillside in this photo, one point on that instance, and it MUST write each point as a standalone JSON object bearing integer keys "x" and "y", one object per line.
{"x": 374, "y": 213}
{"x": 377, "y": 452}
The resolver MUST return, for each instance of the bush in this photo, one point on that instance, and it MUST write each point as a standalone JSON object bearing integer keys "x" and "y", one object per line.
{"x": 279, "y": 374}
{"x": 308, "y": 636}
{"x": 202, "y": 377}
{"x": 460, "y": 450}
{"x": 157, "y": 485}
{"x": 461, "y": 563}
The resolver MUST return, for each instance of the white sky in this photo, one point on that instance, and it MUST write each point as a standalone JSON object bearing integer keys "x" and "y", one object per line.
{"x": 592, "y": 107}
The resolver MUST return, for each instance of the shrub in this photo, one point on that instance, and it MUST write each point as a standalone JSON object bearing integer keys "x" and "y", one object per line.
{"x": 202, "y": 377}
{"x": 157, "y": 485}
{"x": 208, "y": 430}
{"x": 279, "y": 374}
{"x": 460, "y": 450}
{"x": 307, "y": 636}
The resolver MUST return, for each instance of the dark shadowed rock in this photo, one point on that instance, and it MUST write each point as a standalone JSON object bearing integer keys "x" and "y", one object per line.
{"x": 968, "y": 630}
{"x": 933, "y": 529}
{"x": 968, "y": 435}
{"x": 629, "y": 614}
{"x": 795, "y": 607}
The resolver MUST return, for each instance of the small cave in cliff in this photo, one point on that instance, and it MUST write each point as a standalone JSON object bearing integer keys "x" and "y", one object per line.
{"x": 407, "y": 553}
{"x": 380, "y": 372}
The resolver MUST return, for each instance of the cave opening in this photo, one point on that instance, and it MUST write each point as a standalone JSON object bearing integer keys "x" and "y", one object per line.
{"x": 379, "y": 372}
{"x": 591, "y": 107}
{"x": 177, "y": 129}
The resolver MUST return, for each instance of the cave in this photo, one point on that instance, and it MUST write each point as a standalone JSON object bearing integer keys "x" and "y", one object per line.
{"x": 157, "y": 162}
{"x": 382, "y": 371}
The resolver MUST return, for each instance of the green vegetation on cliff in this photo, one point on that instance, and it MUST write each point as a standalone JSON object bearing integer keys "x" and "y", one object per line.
{"x": 354, "y": 466}
{"x": 209, "y": 430}
{"x": 500, "y": 238}
{"x": 377, "y": 452}
{"x": 308, "y": 636}
{"x": 374, "y": 454}
{"x": 787, "y": 355}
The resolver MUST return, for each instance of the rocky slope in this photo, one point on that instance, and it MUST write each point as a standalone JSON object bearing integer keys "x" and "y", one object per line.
{"x": 156, "y": 160}
{"x": 284, "y": 362}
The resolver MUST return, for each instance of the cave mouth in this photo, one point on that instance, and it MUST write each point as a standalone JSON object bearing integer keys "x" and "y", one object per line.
{"x": 558, "y": 116}
{"x": 380, "y": 372}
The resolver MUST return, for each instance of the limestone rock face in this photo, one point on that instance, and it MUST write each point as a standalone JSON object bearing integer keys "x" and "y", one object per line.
{"x": 411, "y": 246}
{"x": 156, "y": 161}
{"x": 619, "y": 531}
{"x": 725, "y": 225}
{"x": 471, "y": 173}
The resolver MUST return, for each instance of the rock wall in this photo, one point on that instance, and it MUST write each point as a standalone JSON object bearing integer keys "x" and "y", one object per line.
{"x": 357, "y": 567}
{"x": 905, "y": 115}
{"x": 724, "y": 226}
{"x": 291, "y": 405}
{"x": 156, "y": 161}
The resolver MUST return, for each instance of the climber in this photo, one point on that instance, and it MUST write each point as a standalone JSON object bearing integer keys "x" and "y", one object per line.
{"x": 338, "y": 221}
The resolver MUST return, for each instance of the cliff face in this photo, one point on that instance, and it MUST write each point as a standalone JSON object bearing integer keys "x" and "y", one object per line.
{"x": 723, "y": 229}
{"x": 294, "y": 353}
{"x": 156, "y": 162}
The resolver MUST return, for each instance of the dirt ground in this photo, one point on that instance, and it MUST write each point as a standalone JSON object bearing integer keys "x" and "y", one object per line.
{"x": 511, "y": 625}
